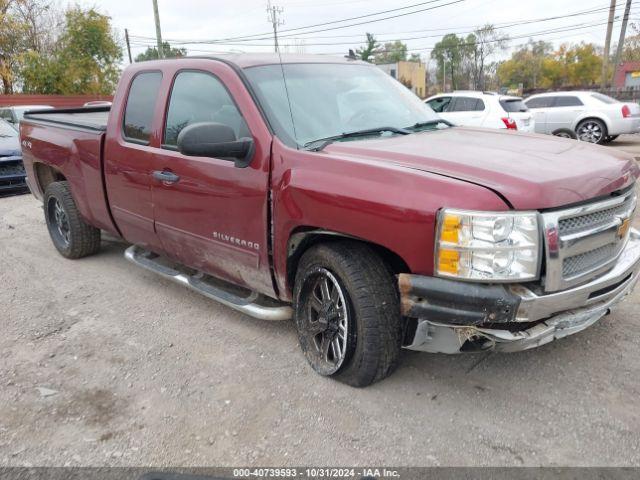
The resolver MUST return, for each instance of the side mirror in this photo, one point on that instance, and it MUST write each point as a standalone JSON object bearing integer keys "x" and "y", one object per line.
{"x": 210, "y": 139}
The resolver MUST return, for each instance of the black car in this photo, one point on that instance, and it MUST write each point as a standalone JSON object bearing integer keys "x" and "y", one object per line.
{"x": 12, "y": 174}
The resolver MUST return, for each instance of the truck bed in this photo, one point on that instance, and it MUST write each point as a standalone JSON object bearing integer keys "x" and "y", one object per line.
{"x": 89, "y": 118}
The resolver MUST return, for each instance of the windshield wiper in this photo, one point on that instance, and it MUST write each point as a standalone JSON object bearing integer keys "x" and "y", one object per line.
{"x": 430, "y": 123}
{"x": 323, "y": 142}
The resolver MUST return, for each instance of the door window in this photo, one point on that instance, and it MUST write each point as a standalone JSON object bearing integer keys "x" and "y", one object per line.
{"x": 138, "y": 115}
{"x": 540, "y": 102}
{"x": 466, "y": 104}
{"x": 200, "y": 97}
{"x": 568, "y": 102}
{"x": 440, "y": 104}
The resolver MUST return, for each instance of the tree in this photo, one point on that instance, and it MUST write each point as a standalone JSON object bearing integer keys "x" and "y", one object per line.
{"x": 450, "y": 53}
{"x": 151, "y": 53}
{"x": 484, "y": 43}
{"x": 85, "y": 59}
{"x": 12, "y": 33}
{"x": 368, "y": 52}
{"x": 527, "y": 65}
{"x": 392, "y": 52}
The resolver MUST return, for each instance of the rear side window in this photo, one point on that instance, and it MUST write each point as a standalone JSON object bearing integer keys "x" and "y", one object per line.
{"x": 467, "y": 104}
{"x": 138, "y": 115}
{"x": 568, "y": 102}
{"x": 200, "y": 97}
{"x": 513, "y": 105}
{"x": 539, "y": 102}
{"x": 604, "y": 98}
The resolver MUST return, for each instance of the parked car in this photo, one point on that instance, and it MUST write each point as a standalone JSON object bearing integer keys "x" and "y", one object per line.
{"x": 14, "y": 114}
{"x": 12, "y": 176}
{"x": 483, "y": 109}
{"x": 594, "y": 117}
{"x": 374, "y": 227}
{"x": 98, "y": 103}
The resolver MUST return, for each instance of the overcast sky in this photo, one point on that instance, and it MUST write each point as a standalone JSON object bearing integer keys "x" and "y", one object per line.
{"x": 183, "y": 20}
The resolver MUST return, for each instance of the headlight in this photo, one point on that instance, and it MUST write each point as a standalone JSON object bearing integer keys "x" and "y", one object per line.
{"x": 487, "y": 246}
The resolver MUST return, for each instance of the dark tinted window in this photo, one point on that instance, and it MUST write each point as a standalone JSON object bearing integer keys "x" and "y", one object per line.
{"x": 5, "y": 114}
{"x": 440, "y": 105}
{"x": 568, "y": 102}
{"x": 513, "y": 105}
{"x": 466, "y": 104}
{"x": 539, "y": 102}
{"x": 138, "y": 115}
{"x": 200, "y": 97}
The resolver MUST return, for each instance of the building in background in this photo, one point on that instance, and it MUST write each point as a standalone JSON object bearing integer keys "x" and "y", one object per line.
{"x": 627, "y": 75}
{"x": 413, "y": 75}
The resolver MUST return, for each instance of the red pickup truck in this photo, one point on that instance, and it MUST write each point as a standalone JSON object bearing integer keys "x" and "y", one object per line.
{"x": 322, "y": 190}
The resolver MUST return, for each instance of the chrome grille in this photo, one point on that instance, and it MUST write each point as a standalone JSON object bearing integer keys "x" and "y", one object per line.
{"x": 582, "y": 242}
{"x": 584, "y": 262}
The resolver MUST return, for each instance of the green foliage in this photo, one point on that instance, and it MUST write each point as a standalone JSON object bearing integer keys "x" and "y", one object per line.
{"x": 368, "y": 52}
{"x": 392, "y": 52}
{"x": 77, "y": 53}
{"x": 151, "y": 53}
{"x": 536, "y": 65}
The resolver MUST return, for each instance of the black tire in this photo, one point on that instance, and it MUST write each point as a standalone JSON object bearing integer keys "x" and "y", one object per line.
{"x": 565, "y": 133}
{"x": 70, "y": 234}
{"x": 373, "y": 326}
{"x": 592, "y": 130}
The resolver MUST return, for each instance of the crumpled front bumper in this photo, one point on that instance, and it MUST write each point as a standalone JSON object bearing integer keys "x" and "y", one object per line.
{"x": 454, "y": 317}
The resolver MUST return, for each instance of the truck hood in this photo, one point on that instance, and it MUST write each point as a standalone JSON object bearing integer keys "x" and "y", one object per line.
{"x": 529, "y": 171}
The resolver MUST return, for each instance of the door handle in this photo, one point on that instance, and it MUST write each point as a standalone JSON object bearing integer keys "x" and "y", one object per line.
{"x": 165, "y": 176}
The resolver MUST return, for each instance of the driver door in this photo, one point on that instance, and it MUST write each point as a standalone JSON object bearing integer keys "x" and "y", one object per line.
{"x": 209, "y": 214}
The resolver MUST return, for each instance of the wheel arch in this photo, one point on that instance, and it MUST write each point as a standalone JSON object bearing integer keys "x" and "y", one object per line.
{"x": 591, "y": 116}
{"x": 303, "y": 238}
{"x": 45, "y": 175}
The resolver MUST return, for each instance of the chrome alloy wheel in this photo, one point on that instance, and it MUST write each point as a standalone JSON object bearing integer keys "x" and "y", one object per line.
{"x": 325, "y": 327}
{"x": 590, "y": 131}
{"x": 60, "y": 220}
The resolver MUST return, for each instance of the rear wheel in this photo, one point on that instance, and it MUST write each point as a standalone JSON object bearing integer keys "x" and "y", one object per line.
{"x": 70, "y": 234}
{"x": 347, "y": 313}
{"x": 592, "y": 130}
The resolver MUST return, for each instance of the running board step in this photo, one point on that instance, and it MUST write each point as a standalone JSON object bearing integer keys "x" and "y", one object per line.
{"x": 245, "y": 301}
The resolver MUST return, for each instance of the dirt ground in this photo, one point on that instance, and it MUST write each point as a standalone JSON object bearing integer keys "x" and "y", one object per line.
{"x": 102, "y": 363}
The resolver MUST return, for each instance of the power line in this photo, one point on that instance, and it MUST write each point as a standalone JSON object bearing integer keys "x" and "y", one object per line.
{"x": 499, "y": 25}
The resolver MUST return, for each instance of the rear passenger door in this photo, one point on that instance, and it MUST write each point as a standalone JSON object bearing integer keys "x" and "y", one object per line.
{"x": 466, "y": 111}
{"x": 214, "y": 216}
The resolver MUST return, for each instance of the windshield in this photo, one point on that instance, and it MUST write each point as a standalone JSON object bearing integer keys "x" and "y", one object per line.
{"x": 331, "y": 99}
{"x": 6, "y": 130}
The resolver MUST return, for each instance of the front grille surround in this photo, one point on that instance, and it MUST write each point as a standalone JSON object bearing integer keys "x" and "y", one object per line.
{"x": 585, "y": 241}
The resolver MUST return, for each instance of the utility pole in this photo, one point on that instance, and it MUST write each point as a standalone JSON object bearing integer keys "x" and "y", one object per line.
{"x": 623, "y": 32}
{"x": 607, "y": 45}
{"x": 273, "y": 13}
{"x": 126, "y": 37}
{"x": 158, "y": 34}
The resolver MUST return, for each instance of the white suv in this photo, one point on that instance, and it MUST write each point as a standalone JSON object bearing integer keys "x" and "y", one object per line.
{"x": 595, "y": 117}
{"x": 483, "y": 109}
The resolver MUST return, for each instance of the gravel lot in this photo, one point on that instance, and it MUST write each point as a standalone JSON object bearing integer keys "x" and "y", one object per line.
{"x": 102, "y": 363}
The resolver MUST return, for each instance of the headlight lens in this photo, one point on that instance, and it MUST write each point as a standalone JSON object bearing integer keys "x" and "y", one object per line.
{"x": 488, "y": 246}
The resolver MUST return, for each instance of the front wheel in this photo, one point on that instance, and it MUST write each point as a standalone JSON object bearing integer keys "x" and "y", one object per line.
{"x": 592, "y": 130}
{"x": 347, "y": 313}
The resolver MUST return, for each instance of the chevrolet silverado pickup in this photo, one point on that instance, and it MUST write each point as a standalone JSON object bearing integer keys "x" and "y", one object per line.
{"x": 321, "y": 190}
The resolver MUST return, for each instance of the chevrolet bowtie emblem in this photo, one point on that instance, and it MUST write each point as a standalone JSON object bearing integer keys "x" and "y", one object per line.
{"x": 624, "y": 227}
